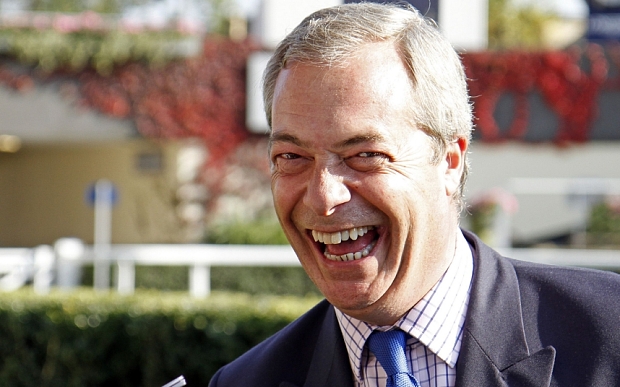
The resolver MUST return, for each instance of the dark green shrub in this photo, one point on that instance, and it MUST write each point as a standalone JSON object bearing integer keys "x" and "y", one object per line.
{"x": 291, "y": 281}
{"x": 86, "y": 338}
{"x": 175, "y": 278}
{"x": 603, "y": 227}
{"x": 168, "y": 278}
{"x": 259, "y": 232}
{"x": 605, "y": 217}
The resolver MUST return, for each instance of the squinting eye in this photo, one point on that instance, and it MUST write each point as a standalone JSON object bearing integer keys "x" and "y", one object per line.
{"x": 370, "y": 154}
{"x": 289, "y": 163}
{"x": 289, "y": 156}
{"x": 367, "y": 161}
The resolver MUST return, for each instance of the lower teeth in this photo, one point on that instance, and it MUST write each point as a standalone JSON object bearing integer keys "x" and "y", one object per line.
{"x": 351, "y": 256}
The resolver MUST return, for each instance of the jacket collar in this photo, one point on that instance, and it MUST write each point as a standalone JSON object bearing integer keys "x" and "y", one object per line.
{"x": 494, "y": 350}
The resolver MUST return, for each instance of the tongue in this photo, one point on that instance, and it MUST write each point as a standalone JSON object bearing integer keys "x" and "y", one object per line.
{"x": 352, "y": 246}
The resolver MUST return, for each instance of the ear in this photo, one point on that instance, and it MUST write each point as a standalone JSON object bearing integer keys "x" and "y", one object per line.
{"x": 455, "y": 164}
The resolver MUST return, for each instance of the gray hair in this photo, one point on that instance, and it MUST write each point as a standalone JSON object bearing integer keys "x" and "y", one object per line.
{"x": 329, "y": 37}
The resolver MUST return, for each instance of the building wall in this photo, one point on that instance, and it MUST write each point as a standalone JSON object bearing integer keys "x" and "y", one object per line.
{"x": 43, "y": 192}
{"x": 541, "y": 215}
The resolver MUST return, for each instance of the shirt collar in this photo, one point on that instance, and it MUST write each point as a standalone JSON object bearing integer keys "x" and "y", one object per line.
{"x": 436, "y": 320}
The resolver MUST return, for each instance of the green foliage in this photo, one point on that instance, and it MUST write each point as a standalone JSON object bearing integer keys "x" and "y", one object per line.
{"x": 90, "y": 36}
{"x": 259, "y": 232}
{"x": 86, "y": 338}
{"x": 263, "y": 280}
{"x": 603, "y": 227}
{"x": 512, "y": 27}
{"x": 166, "y": 278}
{"x": 103, "y": 6}
{"x": 50, "y": 50}
{"x": 482, "y": 217}
{"x": 220, "y": 12}
{"x": 603, "y": 218}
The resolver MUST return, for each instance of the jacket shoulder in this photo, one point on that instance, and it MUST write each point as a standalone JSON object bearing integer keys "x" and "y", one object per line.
{"x": 577, "y": 312}
{"x": 579, "y": 299}
{"x": 573, "y": 310}
{"x": 285, "y": 356}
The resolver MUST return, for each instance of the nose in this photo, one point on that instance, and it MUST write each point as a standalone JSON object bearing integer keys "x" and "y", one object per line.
{"x": 326, "y": 190}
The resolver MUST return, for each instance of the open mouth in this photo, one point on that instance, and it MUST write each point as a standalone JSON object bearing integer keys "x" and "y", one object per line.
{"x": 347, "y": 245}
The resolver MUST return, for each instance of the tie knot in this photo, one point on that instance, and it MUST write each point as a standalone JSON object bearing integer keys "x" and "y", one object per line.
{"x": 389, "y": 348}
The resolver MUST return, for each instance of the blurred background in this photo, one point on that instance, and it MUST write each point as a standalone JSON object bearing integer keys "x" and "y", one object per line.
{"x": 130, "y": 122}
{"x": 132, "y": 141}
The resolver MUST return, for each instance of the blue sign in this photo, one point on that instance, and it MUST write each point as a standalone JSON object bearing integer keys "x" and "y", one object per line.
{"x": 101, "y": 190}
{"x": 604, "y": 20}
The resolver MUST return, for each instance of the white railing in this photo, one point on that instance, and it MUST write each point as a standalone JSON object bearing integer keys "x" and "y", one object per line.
{"x": 20, "y": 265}
{"x": 44, "y": 265}
{"x": 198, "y": 257}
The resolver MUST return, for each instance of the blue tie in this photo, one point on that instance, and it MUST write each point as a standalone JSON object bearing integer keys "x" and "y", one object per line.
{"x": 389, "y": 348}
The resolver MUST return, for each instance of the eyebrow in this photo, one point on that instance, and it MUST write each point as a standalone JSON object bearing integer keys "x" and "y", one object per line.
{"x": 360, "y": 139}
{"x": 285, "y": 137}
{"x": 355, "y": 140}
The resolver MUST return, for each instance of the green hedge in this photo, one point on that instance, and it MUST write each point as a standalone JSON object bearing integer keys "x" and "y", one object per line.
{"x": 87, "y": 338}
{"x": 264, "y": 231}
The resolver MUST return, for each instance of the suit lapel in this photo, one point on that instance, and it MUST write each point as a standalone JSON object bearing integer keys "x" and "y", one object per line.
{"x": 532, "y": 371}
{"x": 494, "y": 350}
{"x": 329, "y": 365}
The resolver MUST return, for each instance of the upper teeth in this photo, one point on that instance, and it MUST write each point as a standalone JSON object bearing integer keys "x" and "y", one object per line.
{"x": 333, "y": 238}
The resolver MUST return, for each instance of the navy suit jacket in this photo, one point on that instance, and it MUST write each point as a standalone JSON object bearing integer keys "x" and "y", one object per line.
{"x": 527, "y": 325}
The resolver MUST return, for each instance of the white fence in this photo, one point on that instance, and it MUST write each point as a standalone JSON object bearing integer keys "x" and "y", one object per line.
{"x": 20, "y": 265}
{"x": 45, "y": 266}
{"x": 199, "y": 258}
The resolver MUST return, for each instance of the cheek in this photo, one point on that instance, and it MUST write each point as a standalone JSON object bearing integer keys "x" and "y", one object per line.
{"x": 279, "y": 202}
{"x": 407, "y": 201}
{"x": 285, "y": 192}
{"x": 393, "y": 190}
{"x": 277, "y": 193}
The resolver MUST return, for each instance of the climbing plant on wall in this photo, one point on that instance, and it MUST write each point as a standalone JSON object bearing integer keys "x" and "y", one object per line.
{"x": 89, "y": 40}
{"x": 569, "y": 81}
{"x": 202, "y": 97}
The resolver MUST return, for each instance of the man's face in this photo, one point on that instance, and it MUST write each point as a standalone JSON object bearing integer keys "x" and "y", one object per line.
{"x": 367, "y": 212}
